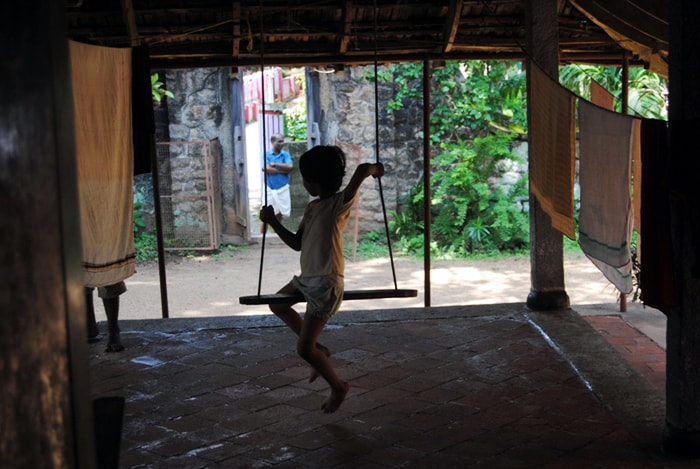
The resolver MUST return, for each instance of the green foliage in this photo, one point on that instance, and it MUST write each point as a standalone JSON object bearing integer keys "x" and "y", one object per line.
{"x": 158, "y": 90}
{"x": 295, "y": 123}
{"x": 139, "y": 224}
{"x": 145, "y": 242}
{"x": 468, "y": 215}
{"x": 478, "y": 108}
{"x": 469, "y": 99}
{"x": 371, "y": 245}
{"x": 408, "y": 226}
{"x": 146, "y": 246}
{"x": 647, "y": 91}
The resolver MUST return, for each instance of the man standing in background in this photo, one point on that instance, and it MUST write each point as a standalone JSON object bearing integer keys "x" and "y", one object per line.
{"x": 278, "y": 165}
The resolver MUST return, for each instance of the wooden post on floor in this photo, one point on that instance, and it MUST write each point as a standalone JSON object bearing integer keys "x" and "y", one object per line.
{"x": 682, "y": 431}
{"x": 427, "y": 169}
{"x": 546, "y": 244}
{"x": 45, "y": 413}
{"x": 625, "y": 109}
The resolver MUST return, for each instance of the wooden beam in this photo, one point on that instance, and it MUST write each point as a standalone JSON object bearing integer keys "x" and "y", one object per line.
{"x": 646, "y": 36}
{"x": 130, "y": 21}
{"x": 626, "y": 19}
{"x": 236, "y": 15}
{"x": 454, "y": 13}
{"x": 346, "y": 26}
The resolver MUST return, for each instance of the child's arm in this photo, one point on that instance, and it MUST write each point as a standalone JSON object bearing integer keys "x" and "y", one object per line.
{"x": 293, "y": 240}
{"x": 362, "y": 172}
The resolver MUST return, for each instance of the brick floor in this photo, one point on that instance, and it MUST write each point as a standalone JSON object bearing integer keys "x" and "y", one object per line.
{"x": 641, "y": 352}
{"x": 494, "y": 386}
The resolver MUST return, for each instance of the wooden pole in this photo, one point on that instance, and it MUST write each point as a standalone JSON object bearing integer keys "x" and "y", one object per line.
{"x": 426, "y": 183}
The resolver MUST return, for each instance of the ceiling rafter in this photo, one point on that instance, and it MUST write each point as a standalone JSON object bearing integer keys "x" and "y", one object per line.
{"x": 346, "y": 23}
{"x": 626, "y": 22}
{"x": 452, "y": 21}
{"x": 130, "y": 21}
{"x": 208, "y": 32}
{"x": 236, "y": 30}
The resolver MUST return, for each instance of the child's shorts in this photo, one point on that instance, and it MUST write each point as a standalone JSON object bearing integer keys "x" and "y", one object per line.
{"x": 323, "y": 294}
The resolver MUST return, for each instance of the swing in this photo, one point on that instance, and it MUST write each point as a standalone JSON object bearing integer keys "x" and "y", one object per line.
{"x": 282, "y": 298}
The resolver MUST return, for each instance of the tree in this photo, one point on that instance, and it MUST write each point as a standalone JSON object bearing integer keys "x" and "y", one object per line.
{"x": 479, "y": 109}
{"x": 648, "y": 92}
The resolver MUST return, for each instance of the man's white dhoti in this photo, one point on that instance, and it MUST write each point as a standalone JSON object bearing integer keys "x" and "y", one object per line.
{"x": 281, "y": 200}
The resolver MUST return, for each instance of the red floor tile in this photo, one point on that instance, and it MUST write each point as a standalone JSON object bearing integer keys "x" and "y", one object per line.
{"x": 640, "y": 351}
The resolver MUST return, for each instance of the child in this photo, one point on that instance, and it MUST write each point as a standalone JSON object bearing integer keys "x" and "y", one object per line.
{"x": 320, "y": 240}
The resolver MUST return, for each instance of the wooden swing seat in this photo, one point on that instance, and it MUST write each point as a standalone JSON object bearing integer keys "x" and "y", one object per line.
{"x": 280, "y": 298}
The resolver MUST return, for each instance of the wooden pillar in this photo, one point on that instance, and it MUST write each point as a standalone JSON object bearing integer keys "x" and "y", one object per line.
{"x": 427, "y": 196}
{"x": 682, "y": 432}
{"x": 624, "y": 98}
{"x": 546, "y": 244}
{"x": 46, "y": 411}
{"x": 313, "y": 109}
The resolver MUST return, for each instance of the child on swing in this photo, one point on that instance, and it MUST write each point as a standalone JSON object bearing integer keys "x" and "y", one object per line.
{"x": 320, "y": 240}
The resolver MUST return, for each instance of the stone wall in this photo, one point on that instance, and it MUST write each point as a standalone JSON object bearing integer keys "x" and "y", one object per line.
{"x": 348, "y": 120}
{"x": 347, "y": 104}
{"x": 201, "y": 110}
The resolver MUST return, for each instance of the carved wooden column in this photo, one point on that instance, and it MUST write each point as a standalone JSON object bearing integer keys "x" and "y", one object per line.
{"x": 46, "y": 411}
{"x": 682, "y": 432}
{"x": 546, "y": 244}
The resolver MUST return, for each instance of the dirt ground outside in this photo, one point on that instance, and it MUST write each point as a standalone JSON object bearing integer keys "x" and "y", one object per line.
{"x": 210, "y": 285}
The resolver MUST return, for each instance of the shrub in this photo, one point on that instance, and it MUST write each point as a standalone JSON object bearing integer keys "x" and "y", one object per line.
{"x": 468, "y": 215}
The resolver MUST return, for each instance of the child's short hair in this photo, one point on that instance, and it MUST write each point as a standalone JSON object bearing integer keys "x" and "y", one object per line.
{"x": 324, "y": 165}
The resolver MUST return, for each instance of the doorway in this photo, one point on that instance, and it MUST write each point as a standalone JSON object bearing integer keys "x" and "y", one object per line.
{"x": 285, "y": 101}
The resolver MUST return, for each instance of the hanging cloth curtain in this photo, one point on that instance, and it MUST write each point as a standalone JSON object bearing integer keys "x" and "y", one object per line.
{"x": 552, "y": 155}
{"x": 601, "y": 96}
{"x": 605, "y": 220}
{"x": 101, "y": 79}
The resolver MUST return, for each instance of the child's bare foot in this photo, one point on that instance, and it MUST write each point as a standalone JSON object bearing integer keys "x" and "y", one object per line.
{"x": 327, "y": 352}
{"x": 335, "y": 399}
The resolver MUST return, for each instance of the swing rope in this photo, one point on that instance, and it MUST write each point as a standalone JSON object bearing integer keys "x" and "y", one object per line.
{"x": 376, "y": 147}
{"x": 264, "y": 138}
{"x": 278, "y": 298}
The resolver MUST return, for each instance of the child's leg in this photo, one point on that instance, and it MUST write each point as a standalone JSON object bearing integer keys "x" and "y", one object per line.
{"x": 309, "y": 351}
{"x": 286, "y": 311}
{"x": 291, "y": 318}
{"x": 93, "y": 331}
{"x": 110, "y": 299}
{"x": 114, "y": 340}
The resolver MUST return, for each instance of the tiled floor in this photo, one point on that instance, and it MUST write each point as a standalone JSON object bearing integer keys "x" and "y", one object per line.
{"x": 494, "y": 385}
{"x": 640, "y": 351}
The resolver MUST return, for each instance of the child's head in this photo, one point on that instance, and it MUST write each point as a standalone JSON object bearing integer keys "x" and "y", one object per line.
{"x": 324, "y": 165}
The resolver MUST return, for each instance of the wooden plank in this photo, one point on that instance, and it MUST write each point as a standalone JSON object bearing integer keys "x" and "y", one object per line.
{"x": 627, "y": 20}
{"x": 454, "y": 14}
{"x": 130, "y": 20}
{"x": 236, "y": 15}
{"x": 346, "y": 27}
{"x": 279, "y": 298}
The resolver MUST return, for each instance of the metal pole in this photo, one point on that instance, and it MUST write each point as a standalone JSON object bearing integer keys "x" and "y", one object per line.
{"x": 155, "y": 181}
{"x": 264, "y": 139}
{"x": 426, "y": 182}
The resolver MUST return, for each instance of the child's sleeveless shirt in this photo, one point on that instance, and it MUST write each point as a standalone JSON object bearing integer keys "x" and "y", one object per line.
{"x": 322, "y": 238}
